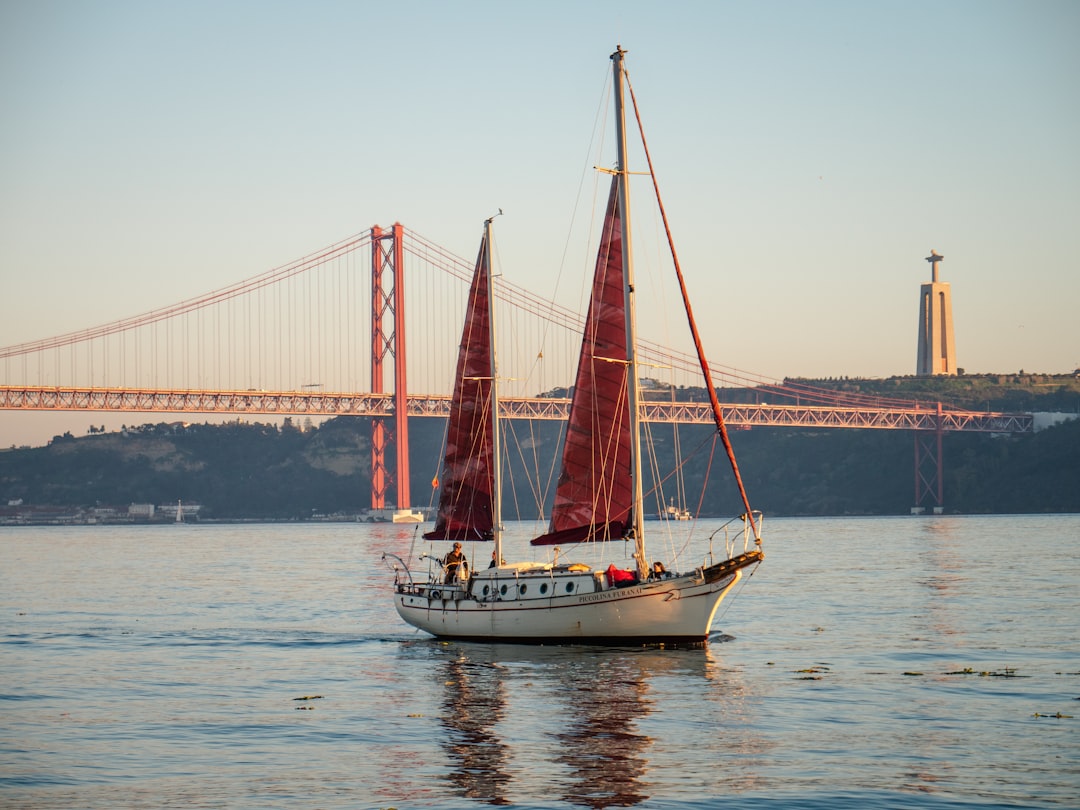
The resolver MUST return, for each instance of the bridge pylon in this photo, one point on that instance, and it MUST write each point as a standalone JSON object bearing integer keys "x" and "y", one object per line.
{"x": 388, "y": 338}
{"x": 929, "y": 468}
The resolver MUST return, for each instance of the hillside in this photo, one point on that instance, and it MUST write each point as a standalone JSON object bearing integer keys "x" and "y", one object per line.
{"x": 233, "y": 471}
{"x": 253, "y": 471}
{"x": 1020, "y": 392}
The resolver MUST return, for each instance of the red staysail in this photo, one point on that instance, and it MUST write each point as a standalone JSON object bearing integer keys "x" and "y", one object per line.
{"x": 593, "y": 499}
{"x": 466, "y": 510}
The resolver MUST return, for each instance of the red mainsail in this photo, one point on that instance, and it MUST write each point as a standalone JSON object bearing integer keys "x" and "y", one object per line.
{"x": 466, "y": 498}
{"x": 593, "y": 498}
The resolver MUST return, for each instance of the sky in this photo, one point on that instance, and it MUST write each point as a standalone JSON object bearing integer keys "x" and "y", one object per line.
{"x": 811, "y": 155}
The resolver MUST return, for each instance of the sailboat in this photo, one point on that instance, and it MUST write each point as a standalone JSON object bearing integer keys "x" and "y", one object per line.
{"x": 599, "y": 495}
{"x": 673, "y": 512}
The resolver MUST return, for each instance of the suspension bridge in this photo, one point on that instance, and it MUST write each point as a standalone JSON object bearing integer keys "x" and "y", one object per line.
{"x": 370, "y": 326}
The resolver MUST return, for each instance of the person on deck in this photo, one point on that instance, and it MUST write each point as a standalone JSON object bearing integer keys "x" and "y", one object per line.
{"x": 454, "y": 560}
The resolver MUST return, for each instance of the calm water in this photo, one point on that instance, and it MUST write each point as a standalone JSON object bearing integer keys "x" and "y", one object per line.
{"x": 881, "y": 663}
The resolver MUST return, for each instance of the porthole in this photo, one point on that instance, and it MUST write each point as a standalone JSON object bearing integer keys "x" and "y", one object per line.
{"x": 569, "y": 587}
{"x": 522, "y": 588}
{"x": 487, "y": 590}
{"x": 502, "y": 590}
{"x": 543, "y": 588}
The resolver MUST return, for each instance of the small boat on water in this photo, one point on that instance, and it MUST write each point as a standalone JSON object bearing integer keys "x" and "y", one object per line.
{"x": 673, "y": 512}
{"x": 599, "y": 496}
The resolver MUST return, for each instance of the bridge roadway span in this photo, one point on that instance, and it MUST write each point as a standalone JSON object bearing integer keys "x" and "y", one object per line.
{"x": 307, "y": 403}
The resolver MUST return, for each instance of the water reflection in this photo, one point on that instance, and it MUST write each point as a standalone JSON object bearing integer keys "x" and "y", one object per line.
{"x": 589, "y": 727}
{"x": 736, "y": 745}
{"x": 942, "y": 577}
{"x": 474, "y": 701}
{"x": 568, "y": 718}
{"x": 602, "y": 746}
{"x": 395, "y": 538}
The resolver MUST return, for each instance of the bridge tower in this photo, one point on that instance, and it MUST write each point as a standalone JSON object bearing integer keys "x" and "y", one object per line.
{"x": 937, "y": 349}
{"x": 388, "y": 337}
{"x": 929, "y": 468}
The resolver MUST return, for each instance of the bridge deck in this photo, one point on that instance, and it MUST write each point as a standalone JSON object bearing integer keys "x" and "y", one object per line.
{"x": 294, "y": 403}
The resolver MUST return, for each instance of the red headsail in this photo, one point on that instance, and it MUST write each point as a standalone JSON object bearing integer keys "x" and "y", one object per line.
{"x": 466, "y": 510}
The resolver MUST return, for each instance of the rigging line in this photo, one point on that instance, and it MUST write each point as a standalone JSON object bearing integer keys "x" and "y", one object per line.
{"x": 508, "y": 477}
{"x": 727, "y": 603}
{"x": 550, "y": 311}
{"x": 551, "y": 485}
{"x": 435, "y": 482}
{"x": 705, "y": 478}
{"x": 680, "y": 482}
{"x": 680, "y": 465}
{"x": 717, "y": 415}
{"x": 563, "y": 316}
{"x": 597, "y": 137}
{"x": 509, "y": 291}
{"x": 532, "y": 471}
{"x": 653, "y": 457}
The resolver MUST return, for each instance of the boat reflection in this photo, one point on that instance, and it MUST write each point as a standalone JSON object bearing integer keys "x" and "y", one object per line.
{"x": 474, "y": 701}
{"x": 602, "y": 745}
{"x": 567, "y": 717}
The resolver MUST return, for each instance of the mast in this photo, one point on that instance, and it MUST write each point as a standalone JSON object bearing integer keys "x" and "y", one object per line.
{"x": 496, "y": 445}
{"x": 623, "y": 173}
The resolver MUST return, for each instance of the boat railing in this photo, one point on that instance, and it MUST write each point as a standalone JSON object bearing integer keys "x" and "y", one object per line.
{"x": 747, "y": 532}
{"x": 749, "y": 527}
{"x": 442, "y": 590}
{"x": 436, "y": 586}
{"x": 398, "y": 566}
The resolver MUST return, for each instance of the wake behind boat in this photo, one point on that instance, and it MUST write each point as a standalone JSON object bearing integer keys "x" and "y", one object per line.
{"x": 599, "y": 496}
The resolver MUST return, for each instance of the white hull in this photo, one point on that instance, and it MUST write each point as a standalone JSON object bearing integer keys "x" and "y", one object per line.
{"x": 542, "y": 604}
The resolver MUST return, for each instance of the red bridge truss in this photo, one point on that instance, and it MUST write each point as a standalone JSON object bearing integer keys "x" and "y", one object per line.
{"x": 304, "y": 403}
